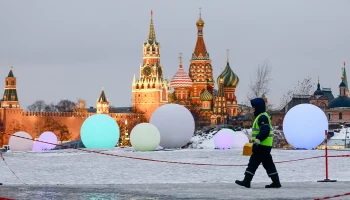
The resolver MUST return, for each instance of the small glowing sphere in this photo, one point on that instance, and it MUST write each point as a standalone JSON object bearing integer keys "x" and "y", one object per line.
{"x": 304, "y": 126}
{"x": 145, "y": 137}
{"x": 21, "y": 144}
{"x": 99, "y": 131}
{"x": 175, "y": 124}
{"x": 223, "y": 139}
{"x": 239, "y": 140}
{"x": 48, "y": 137}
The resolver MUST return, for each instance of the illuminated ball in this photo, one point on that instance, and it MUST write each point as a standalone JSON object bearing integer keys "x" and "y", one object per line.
{"x": 239, "y": 140}
{"x": 21, "y": 144}
{"x": 48, "y": 137}
{"x": 175, "y": 124}
{"x": 36, "y": 146}
{"x": 99, "y": 131}
{"x": 145, "y": 137}
{"x": 304, "y": 126}
{"x": 223, "y": 139}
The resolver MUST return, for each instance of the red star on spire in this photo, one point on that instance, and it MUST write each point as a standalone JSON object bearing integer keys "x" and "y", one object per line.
{"x": 151, "y": 13}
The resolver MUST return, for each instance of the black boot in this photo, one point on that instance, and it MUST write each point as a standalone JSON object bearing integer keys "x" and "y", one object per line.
{"x": 246, "y": 181}
{"x": 275, "y": 182}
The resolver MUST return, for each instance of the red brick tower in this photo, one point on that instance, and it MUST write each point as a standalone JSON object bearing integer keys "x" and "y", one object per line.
{"x": 200, "y": 70}
{"x": 150, "y": 91}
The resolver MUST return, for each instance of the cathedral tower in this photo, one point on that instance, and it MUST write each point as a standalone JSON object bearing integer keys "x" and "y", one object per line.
{"x": 10, "y": 98}
{"x": 182, "y": 84}
{"x": 200, "y": 66}
{"x": 102, "y": 104}
{"x": 230, "y": 82}
{"x": 150, "y": 91}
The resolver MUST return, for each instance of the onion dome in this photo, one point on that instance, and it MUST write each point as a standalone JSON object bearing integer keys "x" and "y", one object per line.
{"x": 181, "y": 78}
{"x": 200, "y": 22}
{"x": 229, "y": 77}
{"x": 206, "y": 96}
{"x": 318, "y": 91}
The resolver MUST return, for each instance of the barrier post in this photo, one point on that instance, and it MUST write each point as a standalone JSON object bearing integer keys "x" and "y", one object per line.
{"x": 326, "y": 158}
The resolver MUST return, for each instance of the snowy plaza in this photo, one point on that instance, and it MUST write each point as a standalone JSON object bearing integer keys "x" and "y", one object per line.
{"x": 76, "y": 174}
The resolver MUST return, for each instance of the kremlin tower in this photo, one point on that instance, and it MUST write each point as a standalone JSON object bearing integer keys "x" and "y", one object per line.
{"x": 102, "y": 104}
{"x": 150, "y": 91}
{"x": 200, "y": 70}
{"x": 182, "y": 84}
{"x": 10, "y": 98}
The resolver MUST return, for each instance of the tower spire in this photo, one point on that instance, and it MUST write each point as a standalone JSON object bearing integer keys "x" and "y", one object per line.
{"x": 151, "y": 32}
{"x": 200, "y": 51}
{"x": 180, "y": 58}
{"x": 228, "y": 55}
{"x": 345, "y": 79}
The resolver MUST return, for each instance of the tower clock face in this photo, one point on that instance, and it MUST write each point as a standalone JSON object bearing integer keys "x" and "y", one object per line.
{"x": 147, "y": 71}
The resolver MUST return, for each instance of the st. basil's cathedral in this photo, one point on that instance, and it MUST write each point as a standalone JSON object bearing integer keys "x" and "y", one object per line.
{"x": 194, "y": 90}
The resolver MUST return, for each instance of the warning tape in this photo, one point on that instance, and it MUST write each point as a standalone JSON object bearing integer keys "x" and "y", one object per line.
{"x": 172, "y": 162}
{"x": 335, "y": 196}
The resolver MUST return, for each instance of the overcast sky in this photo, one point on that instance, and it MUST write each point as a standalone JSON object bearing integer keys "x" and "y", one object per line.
{"x": 67, "y": 49}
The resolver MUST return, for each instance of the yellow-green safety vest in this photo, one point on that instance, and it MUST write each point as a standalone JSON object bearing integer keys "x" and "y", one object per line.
{"x": 256, "y": 129}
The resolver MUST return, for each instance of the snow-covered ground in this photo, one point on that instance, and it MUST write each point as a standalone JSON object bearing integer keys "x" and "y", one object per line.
{"x": 76, "y": 167}
{"x": 73, "y": 174}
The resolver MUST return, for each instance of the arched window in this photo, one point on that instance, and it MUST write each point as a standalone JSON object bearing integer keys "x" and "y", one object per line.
{"x": 340, "y": 115}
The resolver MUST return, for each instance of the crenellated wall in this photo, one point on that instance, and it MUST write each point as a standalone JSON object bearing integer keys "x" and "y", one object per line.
{"x": 32, "y": 122}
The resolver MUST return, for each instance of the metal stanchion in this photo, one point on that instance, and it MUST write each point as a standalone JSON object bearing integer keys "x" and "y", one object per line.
{"x": 326, "y": 157}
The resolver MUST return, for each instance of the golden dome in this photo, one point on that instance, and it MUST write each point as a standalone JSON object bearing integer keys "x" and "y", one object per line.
{"x": 206, "y": 96}
{"x": 200, "y": 22}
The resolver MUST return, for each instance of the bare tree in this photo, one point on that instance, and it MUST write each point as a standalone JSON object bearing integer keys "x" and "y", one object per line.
{"x": 80, "y": 106}
{"x": 37, "y": 106}
{"x": 259, "y": 83}
{"x": 63, "y": 133}
{"x": 304, "y": 87}
{"x": 65, "y": 105}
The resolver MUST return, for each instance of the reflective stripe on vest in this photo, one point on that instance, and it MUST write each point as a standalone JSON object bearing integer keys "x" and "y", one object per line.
{"x": 256, "y": 129}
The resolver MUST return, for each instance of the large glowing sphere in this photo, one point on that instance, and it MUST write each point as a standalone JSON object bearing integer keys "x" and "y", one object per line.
{"x": 99, "y": 131}
{"x": 21, "y": 144}
{"x": 49, "y": 137}
{"x": 304, "y": 126}
{"x": 145, "y": 137}
{"x": 223, "y": 139}
{"x": 175, "y": 124}
{"x": 36, "y": 146}
{"x": 239, "y": 140}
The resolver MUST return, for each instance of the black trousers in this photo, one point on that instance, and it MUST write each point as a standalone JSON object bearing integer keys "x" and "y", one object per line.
{"x": 261, "y": 154}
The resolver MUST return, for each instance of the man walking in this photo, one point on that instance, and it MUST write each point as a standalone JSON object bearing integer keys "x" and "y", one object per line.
{"x": 262, "y": 137}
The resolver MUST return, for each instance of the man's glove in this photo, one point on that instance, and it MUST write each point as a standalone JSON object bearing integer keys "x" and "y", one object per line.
{"x": 256, "y": 141}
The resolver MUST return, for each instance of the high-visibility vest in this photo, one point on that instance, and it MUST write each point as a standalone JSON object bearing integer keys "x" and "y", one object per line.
{"x": 256, "y": 129}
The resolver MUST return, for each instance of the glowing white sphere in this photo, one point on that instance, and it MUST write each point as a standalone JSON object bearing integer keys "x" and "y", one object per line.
{"x": 49, "y": 137}
{"x": 239, "y": 140}
{"x": 224, "y": 139}
{"x": 175, "y": 124}
{"x": 36, "y": 146}
{"x": 99, "y": 131}
{"x": 21, "y": 144}
{"x": 304, "y": 126}
{"x": 145, "y": 137}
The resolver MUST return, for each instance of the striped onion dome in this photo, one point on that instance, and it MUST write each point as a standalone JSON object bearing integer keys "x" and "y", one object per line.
{"x": 181, "y": 79}
{"x": 206, "y": 96}
{"x": 230, "y": 78}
